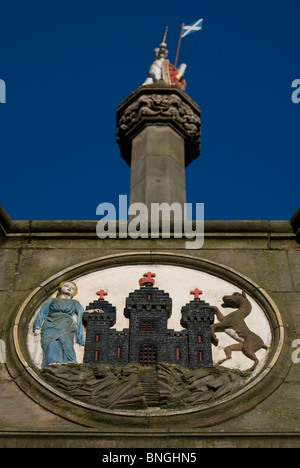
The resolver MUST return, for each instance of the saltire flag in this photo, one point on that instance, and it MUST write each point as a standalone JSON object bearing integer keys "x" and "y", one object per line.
{"x": 188, "y": 29}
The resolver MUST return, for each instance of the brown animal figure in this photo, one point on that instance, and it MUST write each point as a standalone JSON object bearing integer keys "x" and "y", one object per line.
{"x": 234, "y": 325}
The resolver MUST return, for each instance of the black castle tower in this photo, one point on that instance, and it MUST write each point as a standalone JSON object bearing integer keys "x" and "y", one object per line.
{"x": 148, "y": 339}
{"x": 103, "y": 345}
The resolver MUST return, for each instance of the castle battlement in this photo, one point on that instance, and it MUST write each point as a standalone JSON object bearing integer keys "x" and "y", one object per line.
{"x": 148, "y": 339}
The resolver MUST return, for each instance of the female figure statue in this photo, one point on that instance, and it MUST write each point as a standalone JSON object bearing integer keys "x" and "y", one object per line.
{"x": 57, "y": 327}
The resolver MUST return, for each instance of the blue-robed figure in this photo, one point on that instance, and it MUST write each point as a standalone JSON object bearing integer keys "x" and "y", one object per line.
{"x": 57, "y": 327}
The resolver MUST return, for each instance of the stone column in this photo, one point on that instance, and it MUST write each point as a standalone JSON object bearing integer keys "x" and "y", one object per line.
{"x": 158, "y": 131}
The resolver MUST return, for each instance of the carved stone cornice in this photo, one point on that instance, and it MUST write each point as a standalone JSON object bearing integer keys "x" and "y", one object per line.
{"x": 5, "y": 222}
{"x": 295, "y": 223}
{"x": 159, "y": 104}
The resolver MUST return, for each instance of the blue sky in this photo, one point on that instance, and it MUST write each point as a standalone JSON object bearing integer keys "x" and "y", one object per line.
{"x": 68, "y": 64}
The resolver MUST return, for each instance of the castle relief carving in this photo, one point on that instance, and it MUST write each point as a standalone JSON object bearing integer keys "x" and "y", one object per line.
{"x": 137, "y": 337}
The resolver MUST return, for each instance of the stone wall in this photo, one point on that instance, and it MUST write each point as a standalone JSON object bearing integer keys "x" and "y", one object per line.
{"x": 34, "y": 251}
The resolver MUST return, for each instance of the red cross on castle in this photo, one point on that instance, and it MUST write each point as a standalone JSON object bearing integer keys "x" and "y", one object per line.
{"x": 196, "y": 292}
{"x": 147, "y": 279}
{"x": 101, "y": 293}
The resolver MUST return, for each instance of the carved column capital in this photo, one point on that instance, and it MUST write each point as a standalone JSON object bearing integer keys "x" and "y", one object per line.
{"x": 159, "y": 104}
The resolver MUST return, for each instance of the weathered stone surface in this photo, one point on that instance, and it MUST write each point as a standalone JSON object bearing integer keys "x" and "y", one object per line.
{"x": 102, "y": 385}
{"x": 129, "y": 387}
{"x": 294, "y": 262}
{"x": 157, "y": 171}
{"x": 8, "y": 268}
{"x": 279, "y": 414}
{"x": 295, "y": 223}
{"x": 5, "y": 222}
{"x": 265, "y": 252}
{"x": 182, "y": 387}
{"x": 268, "y": 268}
{"x": 164, "y": 105}
{"x": 19, "y": 411}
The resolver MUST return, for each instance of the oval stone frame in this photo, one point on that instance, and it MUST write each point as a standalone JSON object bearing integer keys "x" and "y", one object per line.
{"x": 263, "y": 384}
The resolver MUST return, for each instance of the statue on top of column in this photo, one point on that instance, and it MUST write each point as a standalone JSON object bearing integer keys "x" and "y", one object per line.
{"x": 162, "y": 69}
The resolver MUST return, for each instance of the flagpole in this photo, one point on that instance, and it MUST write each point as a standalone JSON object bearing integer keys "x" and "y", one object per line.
{"x": 178, "y": 47}
{"x": 165, "y": 36}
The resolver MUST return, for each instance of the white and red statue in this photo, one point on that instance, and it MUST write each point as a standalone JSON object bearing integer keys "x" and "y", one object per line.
{"x": 162, "y": 69}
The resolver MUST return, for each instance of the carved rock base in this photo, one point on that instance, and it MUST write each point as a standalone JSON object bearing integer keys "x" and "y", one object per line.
{"x": 135, "y": 387}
